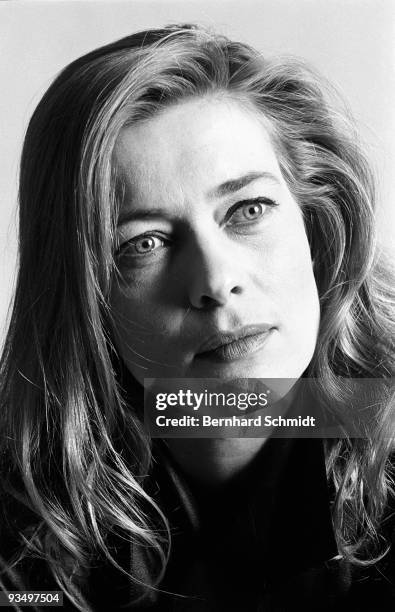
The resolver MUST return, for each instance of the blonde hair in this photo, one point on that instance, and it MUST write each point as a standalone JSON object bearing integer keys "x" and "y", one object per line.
{"x": 74, "y": 449}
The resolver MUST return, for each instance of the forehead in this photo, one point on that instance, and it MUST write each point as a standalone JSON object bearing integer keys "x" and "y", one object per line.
{"x": 194, "y": 145}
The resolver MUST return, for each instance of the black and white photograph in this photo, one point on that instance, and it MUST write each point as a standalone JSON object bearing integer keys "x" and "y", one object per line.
{"x": 197, "y": 305}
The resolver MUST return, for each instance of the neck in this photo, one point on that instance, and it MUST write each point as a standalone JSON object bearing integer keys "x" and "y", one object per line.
{"x": 214, "y": 460}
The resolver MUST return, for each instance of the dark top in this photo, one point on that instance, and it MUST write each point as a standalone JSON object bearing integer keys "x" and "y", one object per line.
{"x": 264, "y": 542}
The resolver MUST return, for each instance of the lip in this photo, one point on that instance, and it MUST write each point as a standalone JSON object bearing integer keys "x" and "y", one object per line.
{"x": 230, "y": 346}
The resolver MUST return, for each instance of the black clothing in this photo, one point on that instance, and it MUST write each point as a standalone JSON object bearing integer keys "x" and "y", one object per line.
{"x": 263, "y": 542}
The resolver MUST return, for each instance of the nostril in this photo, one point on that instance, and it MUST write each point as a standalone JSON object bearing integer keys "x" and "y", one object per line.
{"x": 236, "y": 290}
{"x": 208, "y": 302}
{"x": 212, "y": 301}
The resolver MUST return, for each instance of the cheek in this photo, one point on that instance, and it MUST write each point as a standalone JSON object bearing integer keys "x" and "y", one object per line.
{"x": 142, "y": 327}
{"x": 130, "y": 314}
{"x": 141, "y": 317}
{"x": 286, "y": 273}
{"x": 296, "y": 260}
{"x": 298, "y": 293}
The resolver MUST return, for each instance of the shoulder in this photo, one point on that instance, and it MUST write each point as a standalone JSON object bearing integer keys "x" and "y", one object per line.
{"x": 345, "y": 586}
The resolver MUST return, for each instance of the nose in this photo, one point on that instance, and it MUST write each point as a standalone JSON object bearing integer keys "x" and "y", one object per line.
{"x": 213, "y": 276}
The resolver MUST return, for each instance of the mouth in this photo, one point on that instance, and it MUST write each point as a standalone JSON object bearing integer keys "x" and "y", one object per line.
{"x": 226, "y": 347}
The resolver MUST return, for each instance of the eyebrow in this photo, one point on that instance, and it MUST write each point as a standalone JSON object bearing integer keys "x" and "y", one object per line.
{"x": 236, "y": 184}
{"x": 227, "y": 188}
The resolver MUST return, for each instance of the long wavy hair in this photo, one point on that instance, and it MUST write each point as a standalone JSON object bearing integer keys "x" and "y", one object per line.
{"x": 73, "y": 450}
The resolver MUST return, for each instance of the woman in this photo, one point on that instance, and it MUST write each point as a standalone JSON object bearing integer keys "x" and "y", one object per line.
{"x": 189, "y": 209}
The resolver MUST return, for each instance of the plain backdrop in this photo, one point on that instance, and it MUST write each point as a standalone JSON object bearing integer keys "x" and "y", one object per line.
{"x": 350, "y": 41}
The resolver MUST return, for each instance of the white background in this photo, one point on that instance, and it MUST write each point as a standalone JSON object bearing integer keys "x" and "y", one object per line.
{"x": 350, "y": 41}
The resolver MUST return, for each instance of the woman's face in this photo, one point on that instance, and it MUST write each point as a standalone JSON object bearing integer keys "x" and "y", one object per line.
{"x": 216, "y": 273}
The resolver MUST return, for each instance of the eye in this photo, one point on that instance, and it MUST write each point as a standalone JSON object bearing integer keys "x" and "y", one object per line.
{"x": 252, "y": 211}
{"x": 249, "y": 210}
{"x": 141, "y": 245}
